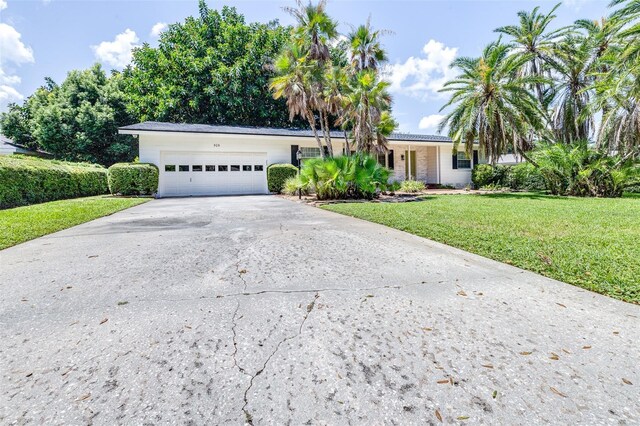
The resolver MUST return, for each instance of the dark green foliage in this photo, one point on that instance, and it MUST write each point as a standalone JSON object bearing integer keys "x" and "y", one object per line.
{"x": 482, "y": 175}
{"x": 75, "y": 121}
{"x": 28, "y": 180}
{"x": 277, "y": 174}
{"x": 584, "y": 172}
{"x": 213, "y": 69}
{"x": 133, "y": 179}
{"x": 355, "y": 176}
{"x": 521, "y": 177}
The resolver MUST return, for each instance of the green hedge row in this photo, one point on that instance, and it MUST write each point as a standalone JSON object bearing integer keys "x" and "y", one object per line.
{"x": 522, "y": 177}
{"x": 30, "y": 180}
{"x": 133, "y": 179}
{"x": 277, "y": 174}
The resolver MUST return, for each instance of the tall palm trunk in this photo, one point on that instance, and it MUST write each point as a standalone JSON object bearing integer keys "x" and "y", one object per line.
{"x": 347, "y": 146}
{"x": 327, "y": 132}
{"x": 312, "y": 122}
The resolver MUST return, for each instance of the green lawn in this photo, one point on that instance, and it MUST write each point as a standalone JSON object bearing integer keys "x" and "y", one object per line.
{"x": 26, "y": 223}
{"x": 591, "y": 243}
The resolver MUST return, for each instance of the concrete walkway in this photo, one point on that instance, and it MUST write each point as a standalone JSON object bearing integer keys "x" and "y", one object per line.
{"x": 260, "y": 310}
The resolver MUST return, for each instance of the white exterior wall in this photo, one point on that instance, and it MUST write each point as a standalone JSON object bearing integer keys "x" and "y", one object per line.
{"x": 278, "y": 150}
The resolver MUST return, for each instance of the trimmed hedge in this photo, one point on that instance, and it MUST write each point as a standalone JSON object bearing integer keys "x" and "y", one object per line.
{"x": 30, "y": 180}
{"x": 277, "y": 174}
{"x": 133, "y": 179}
{"x": 522, "y": 176}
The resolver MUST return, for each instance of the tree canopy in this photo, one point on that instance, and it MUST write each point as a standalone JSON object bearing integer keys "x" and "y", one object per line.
{"x": 213, "y": 68}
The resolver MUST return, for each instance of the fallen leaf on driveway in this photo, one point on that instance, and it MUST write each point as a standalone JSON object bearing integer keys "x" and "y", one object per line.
{"x": 526, "y": 353}
{"x": 104, "y": 320}
{"x": 29, "y": 374}
{"x": 586, "y": 347}
{"x": 487, "y": 365}
{"x": 566, "y": 351}
{"x": 554, "y": 356}
{"x": 463, "y": 417}
{"x": 439, "y": 416}
{"x": 462, "y": 293}
{"x": 427, "y": 329}
{"x": 494, "y": 395}
{"x": 557, "y": 392}
{"x": 92, "y": 256}
{"x": 83, "y": 397}
{"x": 560, "y": 304}
{"x": 628, "y": 382}
{"x": 442, "y": 382}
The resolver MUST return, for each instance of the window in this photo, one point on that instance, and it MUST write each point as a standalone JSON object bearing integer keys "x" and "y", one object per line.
{"x": 223, "y": 168}
{"x": 464, "y": 162}
{"x": 209, "y": 168}
{"x": 382, "y": 159}
{"x": 183, "y": 168}
{"x": 258, "y": 168}
{"x": 310, "y": 152}
{"x": 246, "y": 168}
{"x": 170, "y": 168}
{"x": 235, "y": 168}
{"x": 196, "y": 168}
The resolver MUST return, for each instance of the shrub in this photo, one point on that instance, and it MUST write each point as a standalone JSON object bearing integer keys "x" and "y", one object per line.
{"x": 584, "y": 172}
{"x": 30, "y": 180}
{"x": 356, "y": 176}
{"x": 526, "y": 177}
{"x": 277, "y": 174}
{"x": 412, "y": 186}
{"x": 133, "y": 179}
{"x": 482, "y": 175}
{"x": 393, "y": 186}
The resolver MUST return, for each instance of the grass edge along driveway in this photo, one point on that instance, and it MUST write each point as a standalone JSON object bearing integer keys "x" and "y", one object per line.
{"x": 25, "y": 223}
{"x": 588, "y": 242}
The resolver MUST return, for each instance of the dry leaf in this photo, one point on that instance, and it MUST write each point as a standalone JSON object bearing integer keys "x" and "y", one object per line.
{"x": 187, "y": 326}
{"x": 242, "y": 271}
{"x": 462, "y": 293}
{"x": 463, "y": 417}
{"x": 427, "y": 329}
{"x": 439, "y": 416}
{"x": 554, "y": 356}
{"x": 560, "y": 304}
{"x": 104, "y": 320}
{"x": 92, "y": 256}
{"x": 616, "y": 332}
{"x": 557, "y": 392}
{"x": 83, "y": 397}
{"x": 29, "y": 374}
{"x": 628, "y": 382}
{"x": 442, "y": 382}
{"x": 566, "y": 351}
{"x": 526, "y": 353}
{"x": 487, "y": 365}
{"x": 586, "y": 347}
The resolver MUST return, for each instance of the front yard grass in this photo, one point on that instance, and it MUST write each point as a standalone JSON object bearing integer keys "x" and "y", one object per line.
{"x": 21, "y": 224}
{"x": 588, "y": 242}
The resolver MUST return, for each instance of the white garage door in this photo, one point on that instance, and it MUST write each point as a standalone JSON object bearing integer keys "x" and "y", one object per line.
{"x": 183, "y": 174}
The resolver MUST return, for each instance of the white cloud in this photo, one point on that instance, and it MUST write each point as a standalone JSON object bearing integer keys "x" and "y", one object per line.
{"x": 12, "y": 48}
{"x": 13, "y": 52}
{"x": 430, "y": 122}
{"x": 423, "y": 77}
{"x": 8, "y": 94}
{"x": 117, "y": 52}
{"x": 3, "y": 4}
{"x": 158, "y": 28}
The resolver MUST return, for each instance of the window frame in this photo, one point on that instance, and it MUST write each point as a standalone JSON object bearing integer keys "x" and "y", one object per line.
{"x": 462, "y": 156}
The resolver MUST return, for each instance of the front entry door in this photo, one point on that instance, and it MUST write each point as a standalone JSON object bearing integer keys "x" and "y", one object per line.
{"x": 410, "y": 165}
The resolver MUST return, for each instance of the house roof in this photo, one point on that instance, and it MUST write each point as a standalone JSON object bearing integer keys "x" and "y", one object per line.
{"x": 155, "y": 126}
{"x": 22, "y": 149}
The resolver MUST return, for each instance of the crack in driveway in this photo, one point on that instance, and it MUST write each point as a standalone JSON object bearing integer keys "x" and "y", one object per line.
{"x": 248, "y": 416}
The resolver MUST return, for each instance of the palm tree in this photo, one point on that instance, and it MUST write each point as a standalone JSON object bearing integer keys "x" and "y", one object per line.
{"x": 532, "y": 40}
{"x": 293, "y": 83}
{"x": 315, "y": 28}
{"x": 366, "y": 107}
{"x": 366, "y": 50}
{"x": 573, "y": 90}
{"x": 492, "y": 104}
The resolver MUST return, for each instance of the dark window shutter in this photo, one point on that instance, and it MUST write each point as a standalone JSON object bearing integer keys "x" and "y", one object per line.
{"x": 326, "y": 151}
{"x": 454, "y": 158}
{"x": 475, "y": 157}
{"x": 294, "y": 155}
{"x": 390, "y": 159}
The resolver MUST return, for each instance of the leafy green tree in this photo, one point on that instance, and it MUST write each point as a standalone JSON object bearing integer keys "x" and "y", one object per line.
{"x": 77, "y": 120}
{"x": 491, "y": 102}
{"x": 214, "y": 68}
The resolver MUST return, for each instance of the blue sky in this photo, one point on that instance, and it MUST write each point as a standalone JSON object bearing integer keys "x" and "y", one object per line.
{"x": 47, "y": 38}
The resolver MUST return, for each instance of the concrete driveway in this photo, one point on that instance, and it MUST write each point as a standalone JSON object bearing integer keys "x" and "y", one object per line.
{"x": 260, "y": 310}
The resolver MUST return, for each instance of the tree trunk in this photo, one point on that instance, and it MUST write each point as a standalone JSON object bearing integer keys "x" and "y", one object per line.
{"x": 347, "y": 147}
{"x": 312, "y": 122}
{"x": 327, "y": 137}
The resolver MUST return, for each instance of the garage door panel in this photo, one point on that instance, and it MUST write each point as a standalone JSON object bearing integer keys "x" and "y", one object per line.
{"x": 212, "y": 174}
